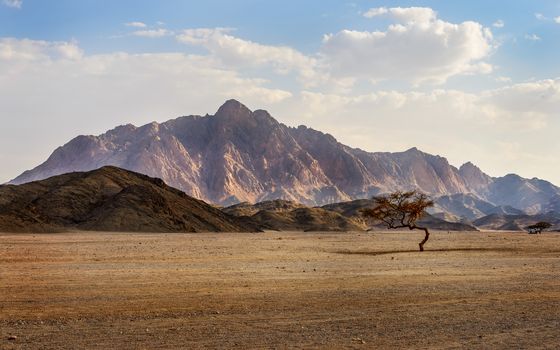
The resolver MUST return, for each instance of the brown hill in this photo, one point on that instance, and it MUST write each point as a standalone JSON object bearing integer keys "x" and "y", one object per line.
{"x": 108, "y": 199}
{"x": 305, "y": 219}
{"x": 248, "y": 209}
{"x": 281, "y": 215}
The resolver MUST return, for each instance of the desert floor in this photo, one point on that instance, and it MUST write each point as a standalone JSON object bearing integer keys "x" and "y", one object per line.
{"x": 279, "y": 290}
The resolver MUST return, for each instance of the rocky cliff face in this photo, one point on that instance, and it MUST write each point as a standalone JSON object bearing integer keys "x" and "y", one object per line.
{"x": 240, "y": 155}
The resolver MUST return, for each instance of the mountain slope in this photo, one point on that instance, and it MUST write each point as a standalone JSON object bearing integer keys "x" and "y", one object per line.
{"x": 238, "y": 155}
{"x": 107, "y": 199}
{"x": 469, "y": 207}
{"x": 517, "y": 222}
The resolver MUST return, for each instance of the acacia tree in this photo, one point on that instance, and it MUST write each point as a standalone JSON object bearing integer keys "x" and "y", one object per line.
{"x": 539, "y": 227}
{"x": 401, "y": 210}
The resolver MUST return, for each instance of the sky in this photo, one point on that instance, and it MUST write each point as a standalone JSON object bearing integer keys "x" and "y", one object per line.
{"x": 468, "y": 80}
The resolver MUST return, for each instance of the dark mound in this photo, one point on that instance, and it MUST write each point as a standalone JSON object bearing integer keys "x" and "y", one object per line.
{"x": 282, "y": 215}
{"x": 248, "y": 209}
{"x": 108, "y": 199}
{"x": 305, "y": 219}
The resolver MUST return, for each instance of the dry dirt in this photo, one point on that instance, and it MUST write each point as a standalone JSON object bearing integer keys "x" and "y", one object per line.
{"x": 279, "y": 290}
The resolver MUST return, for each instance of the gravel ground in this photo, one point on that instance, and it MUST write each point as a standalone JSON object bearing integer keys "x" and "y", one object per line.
{"x": 484, "y": 290}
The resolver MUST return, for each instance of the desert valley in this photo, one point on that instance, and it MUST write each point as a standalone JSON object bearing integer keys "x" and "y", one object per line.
{"x": 279, "y": 175}
{"x": 114, "y": 258}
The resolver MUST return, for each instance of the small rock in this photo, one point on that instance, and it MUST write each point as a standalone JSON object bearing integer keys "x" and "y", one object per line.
{"x": 12, "y": 337}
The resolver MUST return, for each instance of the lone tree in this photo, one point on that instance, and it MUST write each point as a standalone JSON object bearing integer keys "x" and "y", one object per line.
{"x": 539, "y": 227}
{"x": 401, "y": 210}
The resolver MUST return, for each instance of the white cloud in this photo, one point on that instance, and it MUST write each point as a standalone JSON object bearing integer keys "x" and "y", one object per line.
{"x": 375, "y": 12}
{"x": 404, "y": 14}
{"x": 503, "y": 79}
{"x": 557, "y": 19}
{"x": 136, "y": 24}
{"x": 240, "y": 53}
{"x": 533, "y": 37}
{"x": 423, "y": 15}
{"x": 13, "y": 3}
{"x": 419, "y": 47}
{"x": 540, "y": 17}
{"x": 153, "y": 33}
{"x": 498, "y": 24}
{"x": 17, "y": 50}
{"x": 535, "y": 103}
{"x": 38, "y": 61}
{"x": 526, "y": 107}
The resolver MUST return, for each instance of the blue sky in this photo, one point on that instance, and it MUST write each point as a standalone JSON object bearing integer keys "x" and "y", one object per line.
{"x": 469, "y": 80}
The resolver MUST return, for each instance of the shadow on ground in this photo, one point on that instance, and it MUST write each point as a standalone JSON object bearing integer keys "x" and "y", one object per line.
{"x": 427, "y": 251}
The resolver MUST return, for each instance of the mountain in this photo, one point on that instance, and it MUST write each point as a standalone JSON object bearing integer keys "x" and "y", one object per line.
{"x": 108, "y": 199}
{"x": 468, "y": 207}
{"x": 517, "y": 222}
{"x": 553, "y": 204}
{"x": 238, "y": 155}
{"x": 530, "y": 195}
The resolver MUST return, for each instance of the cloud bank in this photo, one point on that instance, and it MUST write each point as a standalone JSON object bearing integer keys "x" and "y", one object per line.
{"x": 419, "y": 48}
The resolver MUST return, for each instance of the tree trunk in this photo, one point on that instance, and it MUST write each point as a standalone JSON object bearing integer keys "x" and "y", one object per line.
{"x": 421, "y": 244}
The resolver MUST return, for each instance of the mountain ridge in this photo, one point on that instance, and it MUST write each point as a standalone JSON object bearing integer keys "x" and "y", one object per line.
{"x": 239, "y": 155}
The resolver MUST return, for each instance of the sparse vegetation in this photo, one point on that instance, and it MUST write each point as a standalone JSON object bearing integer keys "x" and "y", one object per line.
{"x": 539, "y": 227}
{"x": 401, "y": 210}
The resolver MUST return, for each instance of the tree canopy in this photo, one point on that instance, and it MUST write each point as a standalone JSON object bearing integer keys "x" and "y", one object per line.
{"x": 539, "y": 227}
{"x": 401, "y": 210}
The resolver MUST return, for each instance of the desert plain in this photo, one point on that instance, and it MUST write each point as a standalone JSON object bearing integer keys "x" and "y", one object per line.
{"x": 474, "y": 290}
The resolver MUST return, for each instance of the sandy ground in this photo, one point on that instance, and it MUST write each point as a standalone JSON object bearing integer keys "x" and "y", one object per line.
{"x": 279, "y": 290}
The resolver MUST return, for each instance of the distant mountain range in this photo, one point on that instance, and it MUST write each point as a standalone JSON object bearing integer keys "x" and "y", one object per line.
{"x": 114, "y": 199}
{"x": 517, "y": 222}
{"x": 238, "y": 155}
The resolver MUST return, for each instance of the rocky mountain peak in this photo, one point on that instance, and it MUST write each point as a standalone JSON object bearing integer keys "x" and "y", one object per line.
{"x": 469, "y": 167}
{"x": 413, "y": 150}
{"x": 233, "y": 109}
{"x": 474, "y": 178}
